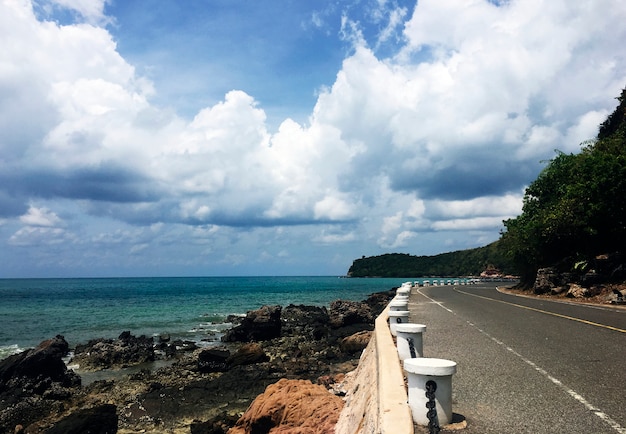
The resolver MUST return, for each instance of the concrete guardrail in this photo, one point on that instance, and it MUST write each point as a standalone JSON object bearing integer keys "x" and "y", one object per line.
{"x": 377, "y": 400}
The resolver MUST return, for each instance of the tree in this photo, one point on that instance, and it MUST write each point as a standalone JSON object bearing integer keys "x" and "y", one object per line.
{"x": 576, "y": 207}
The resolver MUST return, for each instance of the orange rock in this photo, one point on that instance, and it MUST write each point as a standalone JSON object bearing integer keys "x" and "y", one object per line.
{"x": 291, "y": 407}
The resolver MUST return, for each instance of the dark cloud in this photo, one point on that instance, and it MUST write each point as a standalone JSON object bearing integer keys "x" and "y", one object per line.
{"x": 11, "y": 206}
{"x": 106, "y": 182}
{"x": 466, "y": 180}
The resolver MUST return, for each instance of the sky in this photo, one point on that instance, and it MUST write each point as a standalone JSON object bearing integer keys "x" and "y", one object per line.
{"x": 284, "y": 137}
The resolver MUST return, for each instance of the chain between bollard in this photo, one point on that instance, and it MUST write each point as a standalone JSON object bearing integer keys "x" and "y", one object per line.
{"x": 433, "y": 422}
{"x": 412, "y": 348}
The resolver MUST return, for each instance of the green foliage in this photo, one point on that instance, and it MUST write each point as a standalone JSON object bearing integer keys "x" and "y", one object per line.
{"x": 576, "y": 208}
{"x": 460, "y": 263}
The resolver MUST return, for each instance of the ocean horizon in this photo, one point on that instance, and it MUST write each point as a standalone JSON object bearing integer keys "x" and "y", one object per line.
{"x": 189, "y": 308}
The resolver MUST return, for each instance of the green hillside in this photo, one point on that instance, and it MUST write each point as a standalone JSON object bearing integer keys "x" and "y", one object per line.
{"x": 460, "y": 263}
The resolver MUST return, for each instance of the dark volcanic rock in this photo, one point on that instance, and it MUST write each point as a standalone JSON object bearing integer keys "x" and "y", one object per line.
{"x": 310, "y": 321}
{"x": 379, "y": 301}
{"x": 344, "y": 313}
{"x": 218, "y": 425}
{"x": 96, "y": 420}
{"x": 213, "y": 360}
{"x": 34, "y": 383}
{"x": 35, "y": 371}
{"x": 258, "y": 325}
{"x": 127, "y": 350}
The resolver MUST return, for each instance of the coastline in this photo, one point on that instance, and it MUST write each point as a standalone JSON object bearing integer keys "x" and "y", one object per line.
{"x": 183, "y": 308}
{"x": 214, "y": 386}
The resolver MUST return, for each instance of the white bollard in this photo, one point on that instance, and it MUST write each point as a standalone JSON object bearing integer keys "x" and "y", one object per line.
{"x": 397, "y": 317}
{"x": 410, "y": 342}
{"x": 420, "y": 372}
{"x": 403, "y": 292}
{"x": 399, "y": 304}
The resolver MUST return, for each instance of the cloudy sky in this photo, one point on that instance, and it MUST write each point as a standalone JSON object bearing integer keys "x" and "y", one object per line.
{"x": 284, "y": 137}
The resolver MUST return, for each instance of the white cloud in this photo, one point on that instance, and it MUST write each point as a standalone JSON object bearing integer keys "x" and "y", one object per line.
{"x": 332, "y": 208}
{"x": 327, "y": 237}
{"x": 41, "y": 217}
{"x": 36, "y": 236}
{"x": 506, "y": 206}
{"x": 477, "y": 223}
{"x": 442, "y": 137}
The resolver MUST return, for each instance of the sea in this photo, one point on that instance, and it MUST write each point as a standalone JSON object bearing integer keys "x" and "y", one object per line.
{"x": 188, "y": 308}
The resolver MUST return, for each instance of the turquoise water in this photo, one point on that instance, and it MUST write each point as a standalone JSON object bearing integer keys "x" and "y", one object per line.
{"x": 32, "y": 310}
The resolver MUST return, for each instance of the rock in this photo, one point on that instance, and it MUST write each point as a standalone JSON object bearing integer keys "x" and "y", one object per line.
{"x": 235, "y": 319}
{"x": 96, "y": 420}
{"x": 557, "y": 290}
{"x": 258, "y": 325}
{"x": 547, "y": 279}
{"x": 213, "y": 360}
{"x": 309, "y": 321}
{"x": 125, "y": 351}
{"x": 218, "y": 425}
{"x": 34, "y": 383}
{"x": 291, "y": 406}
{"x": 46, "y": 360}
{"x": 344, "y": 313}
{"x": 379, "y": 301}
{"x": 592, "y": 278}
{"x": 184, "y": 345}
{"x": 356, "y": 342}
{"x": 334, "y": 383}
{"x": 577, "y": 291}
{"x": 248, "y": 354}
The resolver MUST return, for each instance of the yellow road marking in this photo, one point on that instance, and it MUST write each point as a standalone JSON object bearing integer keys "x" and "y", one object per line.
{"x": 547, "y": 312}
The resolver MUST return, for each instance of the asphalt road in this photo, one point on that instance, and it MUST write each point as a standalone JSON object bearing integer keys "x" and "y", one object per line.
{"x": 526, "y": 365}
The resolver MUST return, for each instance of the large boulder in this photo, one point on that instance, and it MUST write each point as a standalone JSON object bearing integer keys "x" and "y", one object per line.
{"x": 291, "y": 407}
{"x": 126, "y": 350}
{"x": 46, "y": 360}
{"x": 258, "y": 325}
{"x": 35, "y": 383}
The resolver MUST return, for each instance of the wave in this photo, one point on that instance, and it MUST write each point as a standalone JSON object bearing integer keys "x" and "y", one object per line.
{"x": 9, "y": 350}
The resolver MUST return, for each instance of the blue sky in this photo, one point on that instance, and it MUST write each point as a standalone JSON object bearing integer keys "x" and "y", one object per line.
{"x": 161, "y": 137}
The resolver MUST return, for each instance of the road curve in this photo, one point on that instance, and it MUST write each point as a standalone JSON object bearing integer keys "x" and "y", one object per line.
{"x": 527, "y": 365}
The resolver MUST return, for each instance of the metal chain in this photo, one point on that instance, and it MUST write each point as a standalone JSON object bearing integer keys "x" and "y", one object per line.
{"x": 433, "y": 421}
{"x": 412, "y": 348}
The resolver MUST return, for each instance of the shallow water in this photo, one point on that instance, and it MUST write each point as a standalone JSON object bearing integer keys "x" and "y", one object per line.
{"x": 193, "y": 308}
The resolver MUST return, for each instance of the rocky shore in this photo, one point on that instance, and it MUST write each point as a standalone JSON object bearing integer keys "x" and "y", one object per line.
{"x": 295, "y": 350}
